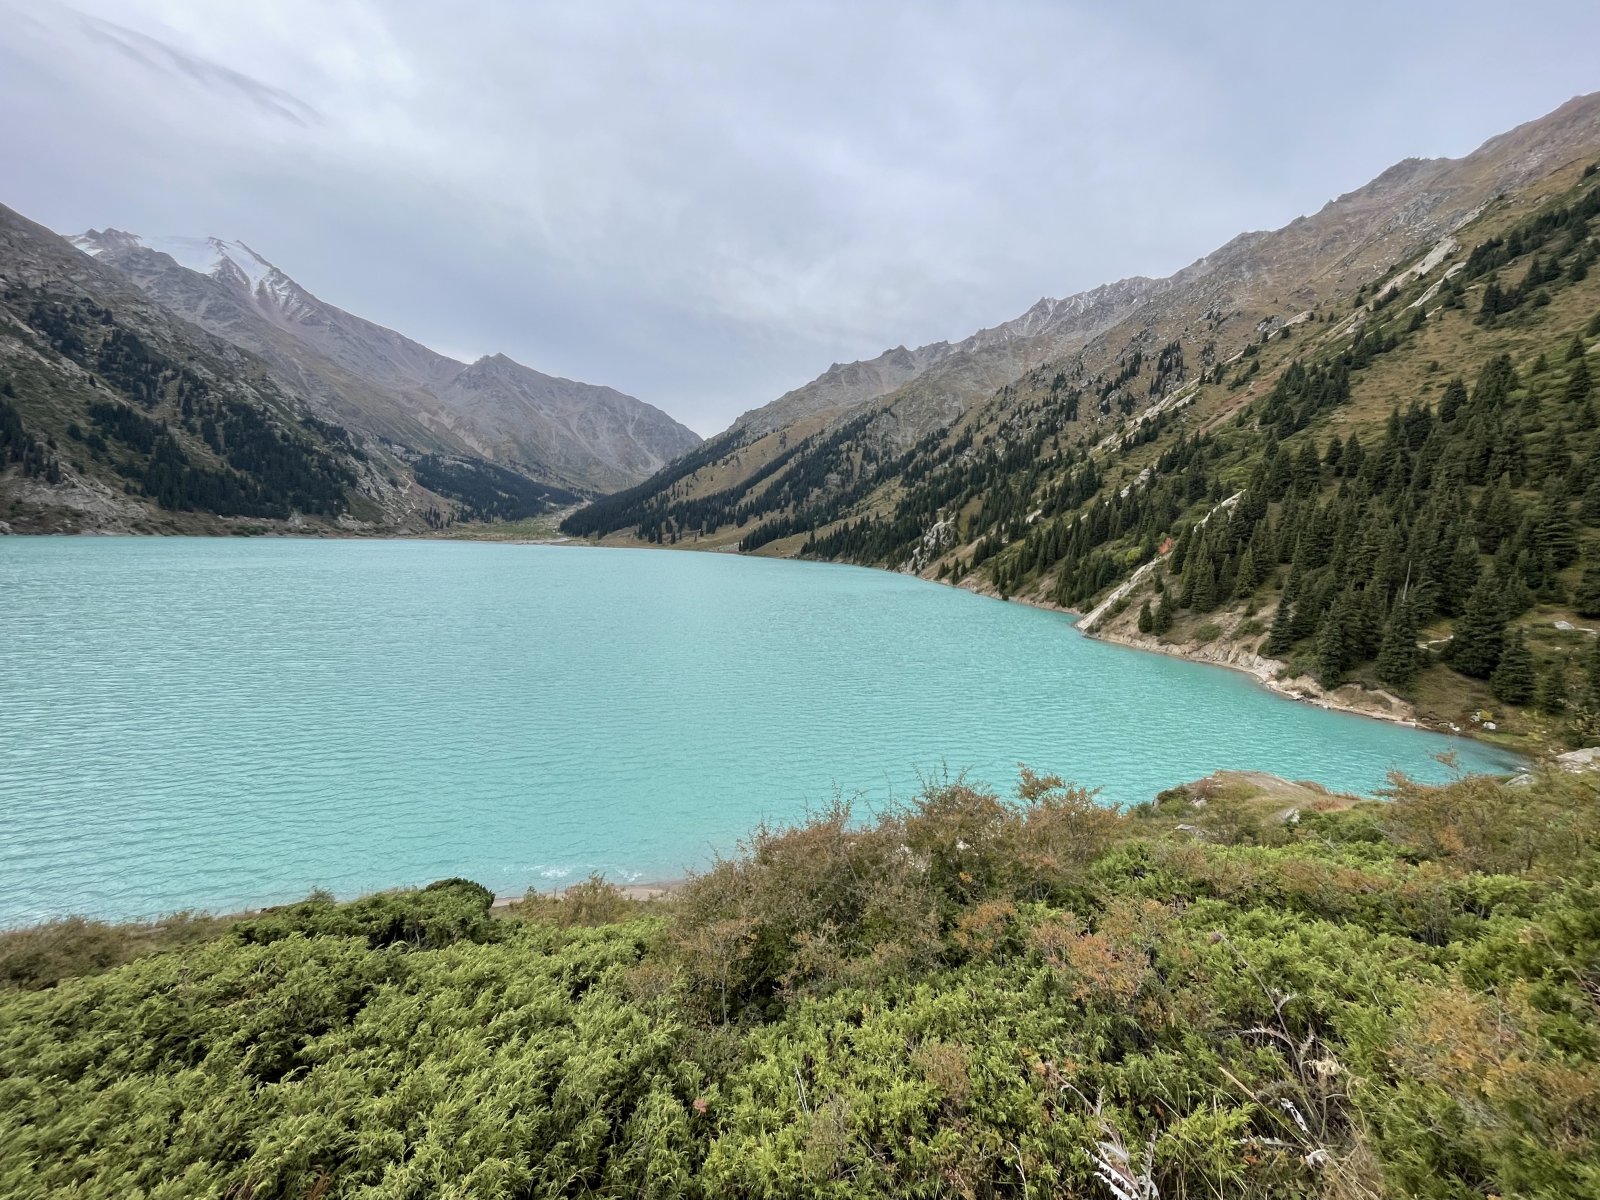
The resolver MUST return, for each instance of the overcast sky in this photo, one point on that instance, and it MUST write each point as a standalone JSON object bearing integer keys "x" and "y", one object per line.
{"x": 705, "y": 204}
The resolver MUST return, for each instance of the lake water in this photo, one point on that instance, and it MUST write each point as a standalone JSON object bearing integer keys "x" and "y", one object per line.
{"x": 216, "y": 723}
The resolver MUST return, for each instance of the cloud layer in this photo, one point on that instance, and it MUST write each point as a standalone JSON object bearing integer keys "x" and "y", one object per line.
{"x": 705, "y": 204}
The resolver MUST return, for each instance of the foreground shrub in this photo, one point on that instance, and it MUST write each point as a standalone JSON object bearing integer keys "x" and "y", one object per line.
{"x": 967, "y": 996}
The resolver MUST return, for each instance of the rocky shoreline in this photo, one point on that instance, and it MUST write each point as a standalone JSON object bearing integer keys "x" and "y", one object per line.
{"x": 1349, "y": 698}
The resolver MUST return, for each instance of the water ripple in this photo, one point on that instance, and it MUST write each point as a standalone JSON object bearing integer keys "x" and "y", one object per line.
{"x": 226, "y": 723}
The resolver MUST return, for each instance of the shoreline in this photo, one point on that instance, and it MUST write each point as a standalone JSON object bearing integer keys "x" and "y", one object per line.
{"x": 1365, "y": 702}
{"x": 1384, "y": 706}
{"x": 643, "y": 893}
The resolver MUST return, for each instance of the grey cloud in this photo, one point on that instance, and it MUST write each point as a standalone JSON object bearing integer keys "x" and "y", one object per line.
{"x": 159, "y": 56}
{"x": 707, "y": 203}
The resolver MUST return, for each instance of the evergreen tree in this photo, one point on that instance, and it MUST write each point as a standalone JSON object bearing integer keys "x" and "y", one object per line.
{"x": 1454, "y": 398}
{"x": 1205, "y": 585}
{"x": 1493, "y": 301}
{"x": 1550, "y": 697}
{"x": 1554, "y": 533}
{"x": 1460, "y": 577}
{"x": 1587, "y": 599}
{"x": 1354, "y": 456}
{"x": 1147, "y": 619}
{"x": 1161, "y": 620}
{"x": 1480, "y": 633}
{"x": 1245, "y": 581}
{"x": 1512, "y": 679}
{"x": 1336, "y": 651}
{"x": 1578, "y": 382}
{"x": 1281, "y": 636}
{"x": 1398, "y": 656}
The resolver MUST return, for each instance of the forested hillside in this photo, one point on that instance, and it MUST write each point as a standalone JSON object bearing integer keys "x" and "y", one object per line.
{"x": 116, "y": 415}
{"x": 1447, "y": 549}
{"x": 1393, "y": 486}
{"x": 896, "y": 441}
{"x": 1229, "y": 992}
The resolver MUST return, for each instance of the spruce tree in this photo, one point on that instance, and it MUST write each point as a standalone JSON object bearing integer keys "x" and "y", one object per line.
{"x": 1335, "y": 641}
{"x": 1147, "y": 618}
{"x": 1579, "y": 382}
{"x": 1554, "y": 533}
{"x": 1205, "y": 586}
{"x": 1550, "y": 697}
{"x": 1245, "y": 580}
{"x": 1460, "y": 577}
{"x": 1281, "y": 636}
{"x": 1480, "y": 633}
{"x": 1454, "y": 398}
{"x": 1398, "y": 657}
{"x": 1513, "y": 678}
{"x": 1161, "y": 620}
{"x": 1587, "y": 599}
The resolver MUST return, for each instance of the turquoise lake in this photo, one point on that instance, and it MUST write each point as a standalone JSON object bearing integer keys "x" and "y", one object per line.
{"x": 220, "y": 724}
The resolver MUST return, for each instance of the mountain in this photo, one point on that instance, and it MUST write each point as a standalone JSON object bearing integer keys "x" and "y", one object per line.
{"x": 377, "y": 381}
{"x": 1399, "y": 383}
{"x": 1104, "y": 346}
{"x": 116, "y": 414}
{"x": 945, "y": 369}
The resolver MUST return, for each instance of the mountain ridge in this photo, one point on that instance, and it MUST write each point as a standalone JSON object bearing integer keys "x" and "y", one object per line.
{"x": 384, "y": 382}
{"x": 1212, "y": 308}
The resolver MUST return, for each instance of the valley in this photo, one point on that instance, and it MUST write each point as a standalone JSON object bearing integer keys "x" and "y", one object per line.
{"x": 1236, "y": 390}
{"x": 1146, "y": 748}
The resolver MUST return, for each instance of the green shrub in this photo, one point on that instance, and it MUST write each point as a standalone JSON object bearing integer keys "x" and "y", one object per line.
{"x": 960, "y": 994}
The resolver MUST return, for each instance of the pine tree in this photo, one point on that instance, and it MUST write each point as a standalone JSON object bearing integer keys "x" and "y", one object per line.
{"x": 1281, "y": 636}
{"x": 1205, "y": 586}
{"x": 1587, "y": 599}
{"x": 1161, "y": 620}
{"x": 1307, "y": 467}
{"x": 1554, "y": 533}
{"x": 1460, "y": 577}
{"x": 1147, "y": 619}
{"x": 1454, "y": 398}
{"x": 1493, "y": 301}
{"x": 1550, "y": 697}
{"x": 1513, "y": 679}
{"x": 1480, "y": 633}
{"x": 1398, "y": 657}
{"x": 1245, "y": 581}
{"x": 1335, "y": 641}
{"x": 1579, "y": 383}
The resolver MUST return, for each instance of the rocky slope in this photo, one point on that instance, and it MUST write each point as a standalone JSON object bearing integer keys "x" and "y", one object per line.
{"x": 574, "y": 435}
{"x": 116, "y": 415}
{"x": 1097, "y": 363}
{"x": 1443, "y": 320}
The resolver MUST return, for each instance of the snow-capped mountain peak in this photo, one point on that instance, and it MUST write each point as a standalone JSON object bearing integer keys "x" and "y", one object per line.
{"x": 217, "y": 257}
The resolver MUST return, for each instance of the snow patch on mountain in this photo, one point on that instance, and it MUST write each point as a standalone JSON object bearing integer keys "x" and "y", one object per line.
{"x": 206, "y": 255}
